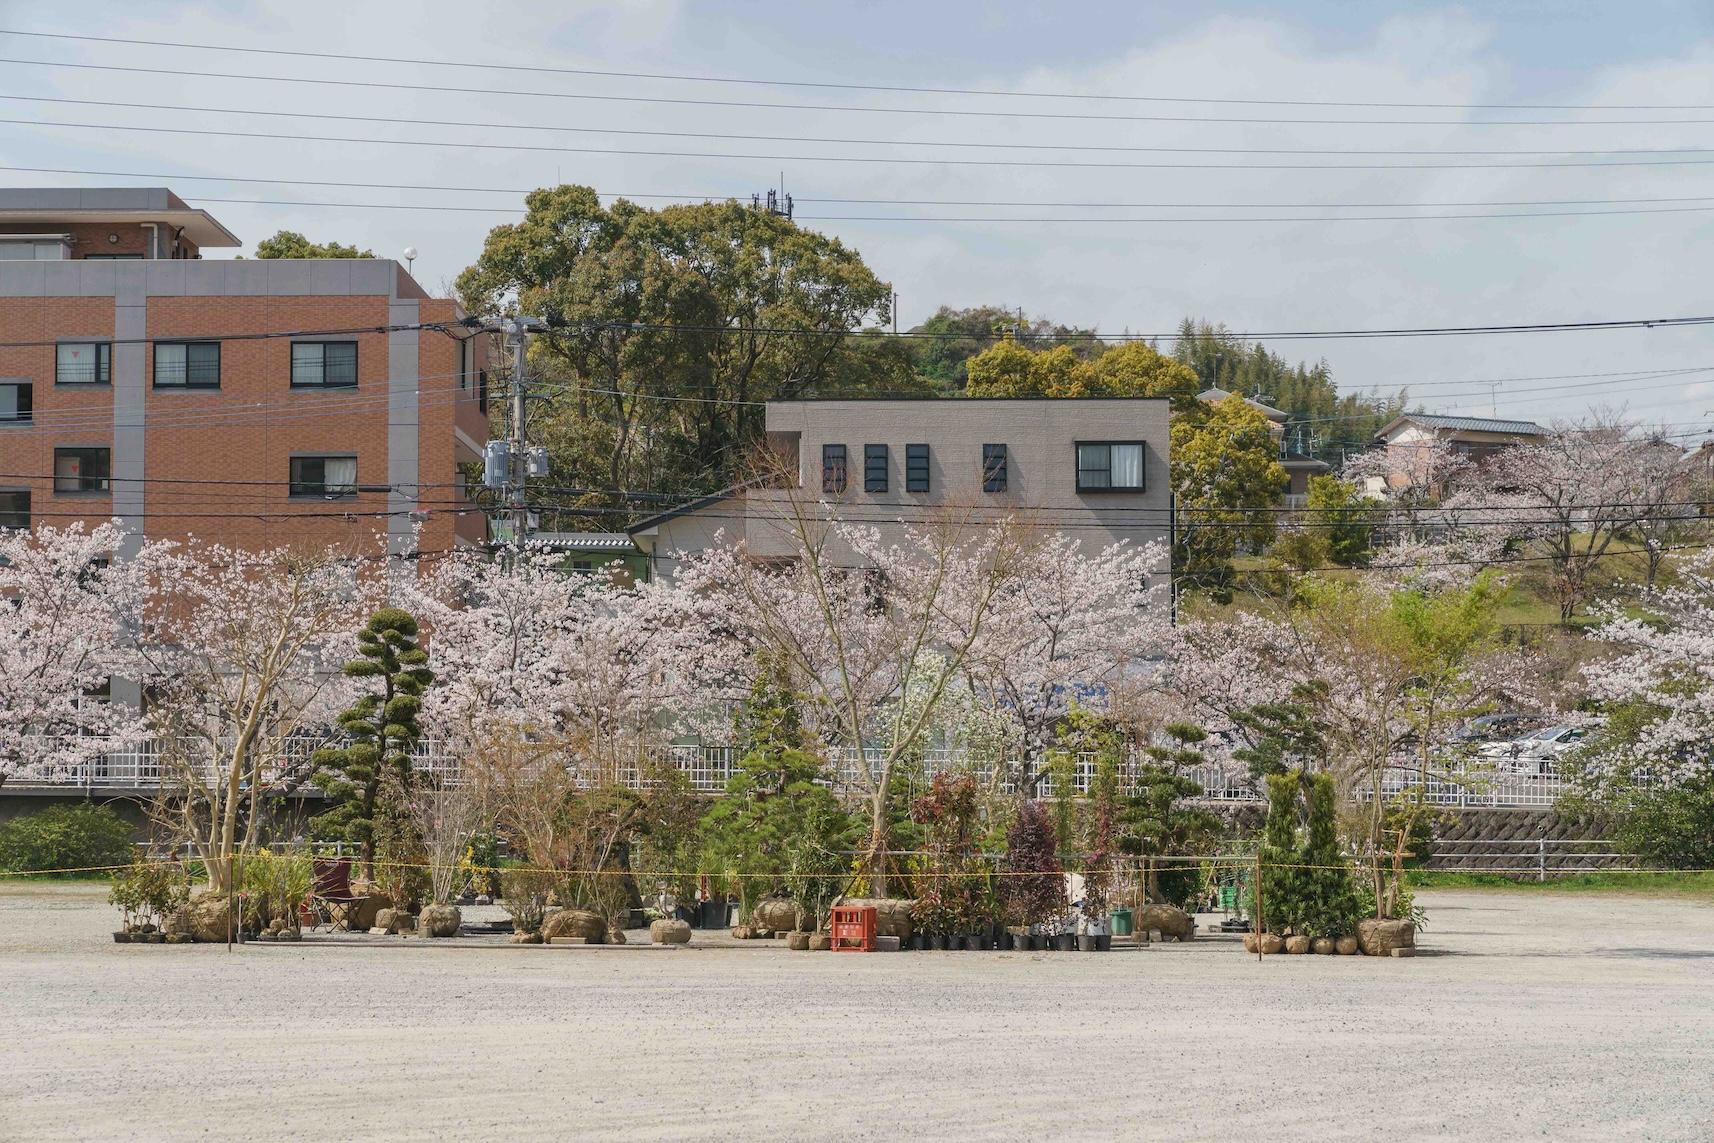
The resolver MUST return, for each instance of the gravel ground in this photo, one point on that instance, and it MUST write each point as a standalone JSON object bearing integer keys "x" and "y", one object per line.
{"x": 1526, "y": 1016}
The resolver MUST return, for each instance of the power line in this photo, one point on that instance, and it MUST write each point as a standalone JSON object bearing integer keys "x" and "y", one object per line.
{"x": 1278, "y": 335}
{"x": 830, "y": 85}
{"x": 1322, "y": 204}
{"x": 542, "y": 148}
{"x": 872, "y": 110}
{"x": 454, "y": 209}
{"x": 845, "y": 86}
{"x": 836, "y": 140}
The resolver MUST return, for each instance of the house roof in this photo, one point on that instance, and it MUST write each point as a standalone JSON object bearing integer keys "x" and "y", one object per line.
{"x": 583, "y": 541}
{"x": 36, "y": 206}
{"x": 1464, "y": 424}
{"x": 1215, "y": 393}
{"x": 1308, "y": 463}
{"x": 689, "y": 506}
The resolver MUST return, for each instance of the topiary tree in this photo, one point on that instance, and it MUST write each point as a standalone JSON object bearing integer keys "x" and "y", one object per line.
{"x": 382, "y": 732}
{"x": 1156, "y": 822}
{"x": 1331, "y": 905}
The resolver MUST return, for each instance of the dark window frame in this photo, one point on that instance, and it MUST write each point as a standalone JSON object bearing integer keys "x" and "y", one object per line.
{"x": 993, "y": 468}
{"x": 103, "y": 484}
{"x": 103, "y": 362}
{"x": 299, "y": 488}
{"x": 835, "y": 469}
{"x": 875, "y": 465}
{"x": 1081, "y": 468}
{"x": 10, "y": 514}
{"x": 189, "y": 368}
{"x": 324, "y": 383}
{"x": 916, "y": 468}
{"x": 26, "y": 400}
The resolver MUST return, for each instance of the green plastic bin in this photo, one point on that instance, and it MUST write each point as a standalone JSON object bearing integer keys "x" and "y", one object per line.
{"x": 1121, "y": 922}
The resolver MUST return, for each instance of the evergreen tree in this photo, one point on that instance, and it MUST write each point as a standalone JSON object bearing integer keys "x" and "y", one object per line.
{"x": 778, "y": 828}
{"x": 1156, "y": 823}
{"x": 381, "y": 730}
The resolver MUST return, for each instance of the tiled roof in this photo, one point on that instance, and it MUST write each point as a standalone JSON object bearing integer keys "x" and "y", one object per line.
{"x": 1472, "y": 424}
{"x": 584, "y": 541}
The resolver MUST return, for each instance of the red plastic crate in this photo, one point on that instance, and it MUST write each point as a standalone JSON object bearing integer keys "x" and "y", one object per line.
{"x": 853, "y": 928}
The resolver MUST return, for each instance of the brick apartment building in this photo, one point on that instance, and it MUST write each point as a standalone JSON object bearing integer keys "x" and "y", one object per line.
{"x": 247, "y": 402}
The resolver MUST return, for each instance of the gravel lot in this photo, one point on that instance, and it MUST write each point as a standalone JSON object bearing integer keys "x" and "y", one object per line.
{"x": 1546, "y": 1017}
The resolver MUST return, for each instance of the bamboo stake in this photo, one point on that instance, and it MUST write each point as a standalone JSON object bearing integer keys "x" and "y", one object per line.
{"x": 1258, "y": 899}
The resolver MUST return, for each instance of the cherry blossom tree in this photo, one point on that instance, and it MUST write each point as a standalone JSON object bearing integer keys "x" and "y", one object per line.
{"x": 64, "y": 613}
{"x": 241, "y": 653}
{"x": 1662, "y": 670}
{"x": 1576, "y": 491}
{"x": 860, "y": 622}
{"x": 1067, "y": 628}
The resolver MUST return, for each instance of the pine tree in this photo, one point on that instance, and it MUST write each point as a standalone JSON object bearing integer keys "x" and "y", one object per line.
{"x": 381, "y": 729}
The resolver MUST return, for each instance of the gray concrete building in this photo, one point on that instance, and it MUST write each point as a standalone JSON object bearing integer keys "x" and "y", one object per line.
{"x": 1096, "y": 468}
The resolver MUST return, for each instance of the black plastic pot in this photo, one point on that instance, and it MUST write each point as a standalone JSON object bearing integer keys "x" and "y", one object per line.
{"x": 121, "y": 938}
{"x": 1063, "y": 942}
{"x": 937, "y": 942}
{"x": 1104, "y": 942}
{"x": 713, "y": 915}
{"x": 916, "y": 942}
{"x": 1088, "y": 942}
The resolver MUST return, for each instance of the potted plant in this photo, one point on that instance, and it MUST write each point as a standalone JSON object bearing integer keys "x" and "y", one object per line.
{"x": 1032, "y": 890}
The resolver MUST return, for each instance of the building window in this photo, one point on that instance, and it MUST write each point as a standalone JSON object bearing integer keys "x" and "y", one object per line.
{"x": 993, "y": 468}
{"x": 14, "y": 509}
{"x": 324, "y": 364}
{"x": 34, "y": 247}
{"x": 1110, "y": 466}
{"x": 187, "y": 365}
{"x": 82, "y": 469}
{"x": 874, "y": 468}
{"x": 83, "y": 363}
{"x": 833, "y": 469}
{"x": 325, "y": 477}
{"x": 482, "y": 390}
{"x": 916, "y": 468}
{"x": 15, "y": 401}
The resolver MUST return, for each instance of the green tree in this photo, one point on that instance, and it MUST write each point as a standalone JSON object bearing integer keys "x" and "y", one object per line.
{"x": 1344, "y": 515}
{"x": 948, "y": 340}
{"x": 778, "y": 828}
{"x": 1342, "y": 423}
{"x": 382, "y": 732}
{"x": 1227, "y": 479}
{"x": 1156, "y": 821}
{"x": 78, "y": 836}
{"x": 716, "y": 305}
{"x": 291, "y": 244}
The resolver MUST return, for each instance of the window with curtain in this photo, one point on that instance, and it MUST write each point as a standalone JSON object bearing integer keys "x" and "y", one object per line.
{"x": 324, "y": 364}
{"x": 324, "y": 476}
{"x": 187, "y": 365}
{"x": 83, "y": 363}
{"x": 1110, "y": 466}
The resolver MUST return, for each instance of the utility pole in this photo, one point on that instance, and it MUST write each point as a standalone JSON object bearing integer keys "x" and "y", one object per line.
{"x": 508, "y": 464}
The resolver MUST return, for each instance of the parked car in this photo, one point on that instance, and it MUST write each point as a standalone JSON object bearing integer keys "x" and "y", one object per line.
{"x": 1497, "y": 727}
{"x": 1535, "y": 754}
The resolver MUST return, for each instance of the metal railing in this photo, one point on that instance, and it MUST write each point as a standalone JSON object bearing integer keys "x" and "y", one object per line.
{"x": 709, "y": 767}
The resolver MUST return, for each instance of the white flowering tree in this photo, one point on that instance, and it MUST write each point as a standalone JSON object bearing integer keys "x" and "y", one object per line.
{"x": 1661, "y": 673}
{"x": 241, "y": 653}
{"x": 64, "y": 613}
{"x": 861, "y": 624}
{"x": 1068, "y": 628}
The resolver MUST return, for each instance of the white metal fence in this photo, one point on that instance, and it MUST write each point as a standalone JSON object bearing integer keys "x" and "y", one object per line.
{"x": 709, "y": 767}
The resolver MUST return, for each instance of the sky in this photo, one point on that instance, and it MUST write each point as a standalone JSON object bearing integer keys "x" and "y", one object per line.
{"x": 1185, "y": 241}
